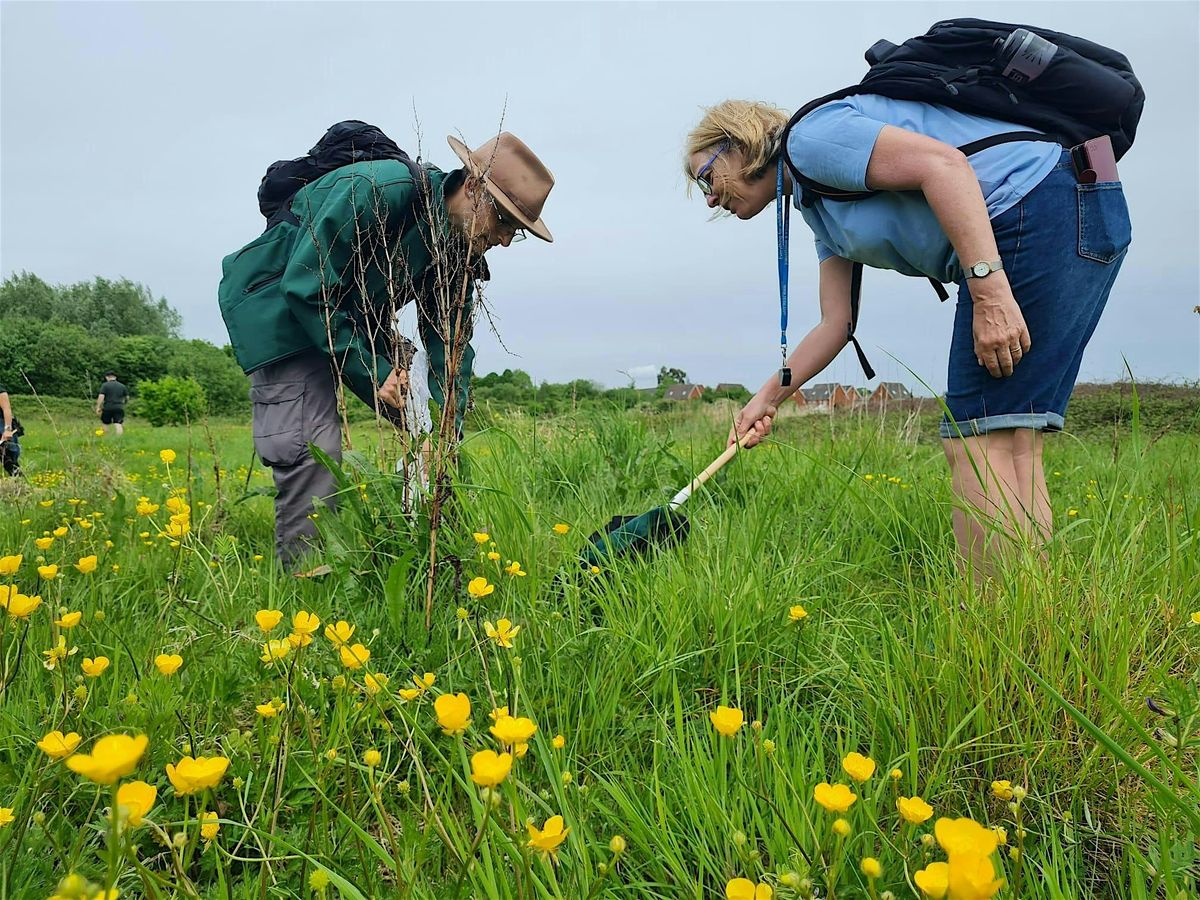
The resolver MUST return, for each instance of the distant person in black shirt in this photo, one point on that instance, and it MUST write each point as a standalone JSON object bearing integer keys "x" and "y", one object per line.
{"x": 10, "y": 449}
{"x": 110, "y": 402}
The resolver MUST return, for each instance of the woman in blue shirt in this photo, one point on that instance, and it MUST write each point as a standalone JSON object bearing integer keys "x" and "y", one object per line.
{"x": 1041, "y": 253}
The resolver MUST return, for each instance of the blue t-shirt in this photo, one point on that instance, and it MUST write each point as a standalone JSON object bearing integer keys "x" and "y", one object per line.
{"x": 897, "y": 229}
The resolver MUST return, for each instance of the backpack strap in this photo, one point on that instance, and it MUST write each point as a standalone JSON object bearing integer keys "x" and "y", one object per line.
{"x": 856, "y": 271}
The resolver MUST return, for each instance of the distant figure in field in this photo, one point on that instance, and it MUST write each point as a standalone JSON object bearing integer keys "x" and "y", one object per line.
{"x": 10, "y": 448}
{"x": 110, "y": 402}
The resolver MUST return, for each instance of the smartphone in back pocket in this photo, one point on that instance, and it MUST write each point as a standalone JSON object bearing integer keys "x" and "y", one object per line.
{"x": 1095, "y": 162}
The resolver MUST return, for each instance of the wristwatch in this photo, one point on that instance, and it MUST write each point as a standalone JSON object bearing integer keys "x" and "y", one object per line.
{"x": 983, "y": 269}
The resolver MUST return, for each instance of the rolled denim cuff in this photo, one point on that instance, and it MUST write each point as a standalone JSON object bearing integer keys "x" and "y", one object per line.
{"x": 974, "y": 427}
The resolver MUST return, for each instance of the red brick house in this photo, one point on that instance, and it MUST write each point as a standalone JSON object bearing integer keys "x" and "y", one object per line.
{"x": 684, "y": 392}
{"x": 833, "y": 396}
{"x": 889, "y": 392}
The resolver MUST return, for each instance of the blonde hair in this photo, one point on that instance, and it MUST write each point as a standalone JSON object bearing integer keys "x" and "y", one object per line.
{"x": 751, "y": 126}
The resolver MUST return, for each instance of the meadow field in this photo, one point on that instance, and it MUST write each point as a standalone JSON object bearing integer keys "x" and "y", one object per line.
{"x": 748, "y": 714}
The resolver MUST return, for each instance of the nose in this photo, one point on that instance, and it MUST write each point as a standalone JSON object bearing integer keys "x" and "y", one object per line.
{"x": 712, "y": 200}
{"x": 506, "y": 238}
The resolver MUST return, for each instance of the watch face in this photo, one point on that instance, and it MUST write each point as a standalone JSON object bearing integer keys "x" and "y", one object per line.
{"x": 981, "y": 269}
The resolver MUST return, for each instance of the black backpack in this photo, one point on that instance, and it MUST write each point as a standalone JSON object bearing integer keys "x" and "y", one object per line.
{"x": 1071, "y": 89}
{"x": 346, "y": 142}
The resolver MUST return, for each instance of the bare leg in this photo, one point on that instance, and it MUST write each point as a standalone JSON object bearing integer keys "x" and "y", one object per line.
{"x": 995, "y": 512}
{"x": 1031, "y": 481}
{"x": 120, "y": 429}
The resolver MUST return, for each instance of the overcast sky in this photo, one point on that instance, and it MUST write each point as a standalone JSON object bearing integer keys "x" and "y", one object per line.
{"x": 134, "y": 137}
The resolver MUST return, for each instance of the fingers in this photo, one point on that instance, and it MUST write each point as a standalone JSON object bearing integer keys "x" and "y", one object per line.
{"x": 1004, "y": 363}
{"x": 757, "y": 432}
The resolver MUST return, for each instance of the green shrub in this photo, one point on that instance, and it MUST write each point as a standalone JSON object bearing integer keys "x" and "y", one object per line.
{"x": 172, "y": 401}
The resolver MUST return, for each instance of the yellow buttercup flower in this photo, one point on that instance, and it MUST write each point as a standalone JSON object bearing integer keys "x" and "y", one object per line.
{"x": 267, "y": 710}
{"x": 69, "y": 620}
{"x": 275, "y": 649}
{"x": 933, "y": 880}
{"x": 745, "y": 889}
{"x": 146, "y": 508}
{"x": 113, "y": 756}
{"x": 10, "y": 564}
{"x": 43, "y": 543}
{"x": 192, "y": 775}
{"x": 136, "y": 798}
{"x": 354, "y": 657}
{"x": 57, "y": 653}
{"x": 375, "y": 683}
{"x": 61, "y": 531}
{"x": 94, "y": 668}
{"x": 57, "y": 745}
{"x": 796, "y": 613}
{"x": 21, "y": 606}
{"x": 479, "y": 587}
{"x": 561, "y": 528}
{"x": 835, "y": 798}
{"x": 841, "y": 828}
{"x": 6, "y": 816}
{"x": 972, "y": 876}
{"x": 964, "y": 836}
{"x": 168, "y": 663}
{"x": 453, "y": 713}
{"x": 47, "y": 573}
{"x": 86, "y": 565}
{"x": 493, "y": 555}
{"x": 481, "y": 537}
{"x": 489, "y": 768}
{"x": 549, "y": 837}
{"x": 267, "y": 619}
{"x": 913, "y": 809}
{"x": 45, "y": 504}
{"x": 422, "y": 682}
{"x": 1002, "y": 790}
{"x": 871, "y": 868}
{"x": 558, "y": 742}
{"x": 305, "y": 622}
{"x": 514, "y": 569}
{"x": 209, "y": 826}
{"x": 727, "y": 720}
{"x": 1196, "y": 618}
{"x": 339, "y": 633}
{"x": 503, "y": 632}
{"x": 858, "y": 767}
{"x": 511, "y": 731}
{"x": 298, "y": 640}
{"x": 167, "y": 456}
{"x": 372, "y": 758}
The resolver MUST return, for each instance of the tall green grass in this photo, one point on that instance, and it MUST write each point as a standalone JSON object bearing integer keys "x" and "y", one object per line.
{"x": 1041, "y": 678}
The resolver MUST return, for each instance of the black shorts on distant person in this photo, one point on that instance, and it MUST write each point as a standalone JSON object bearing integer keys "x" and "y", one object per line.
{"x": 113, "y": 417}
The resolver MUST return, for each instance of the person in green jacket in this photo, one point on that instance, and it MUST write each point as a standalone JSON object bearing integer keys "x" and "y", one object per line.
{"x": 313, "y": 301}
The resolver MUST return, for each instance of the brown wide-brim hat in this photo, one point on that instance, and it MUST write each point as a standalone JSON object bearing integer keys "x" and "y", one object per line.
{"x": 512, "y": 174}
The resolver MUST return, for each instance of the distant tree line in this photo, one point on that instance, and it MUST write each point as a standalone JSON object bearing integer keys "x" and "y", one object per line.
{"x": 59, "y": 340}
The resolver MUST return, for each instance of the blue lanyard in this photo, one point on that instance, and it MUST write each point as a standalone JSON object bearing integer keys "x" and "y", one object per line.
{"x": 783, "y": 209}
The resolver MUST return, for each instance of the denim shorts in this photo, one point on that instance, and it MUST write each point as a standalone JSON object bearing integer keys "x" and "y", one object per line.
{"x": 1062, "y": 247}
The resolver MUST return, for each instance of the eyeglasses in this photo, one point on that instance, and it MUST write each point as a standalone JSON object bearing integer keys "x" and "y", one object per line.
{"x": 702, "y": 178}
{"x": 518, "y": 231}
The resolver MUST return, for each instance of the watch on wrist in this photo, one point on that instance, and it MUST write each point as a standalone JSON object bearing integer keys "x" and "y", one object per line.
{"x": 983, "y": 268}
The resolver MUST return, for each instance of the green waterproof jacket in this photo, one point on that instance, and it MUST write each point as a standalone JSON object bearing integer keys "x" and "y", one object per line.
{"x": 334, "y": 280}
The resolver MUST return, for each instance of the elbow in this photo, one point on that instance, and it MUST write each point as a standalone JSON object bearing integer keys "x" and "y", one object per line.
{"x": 949, "y": 164}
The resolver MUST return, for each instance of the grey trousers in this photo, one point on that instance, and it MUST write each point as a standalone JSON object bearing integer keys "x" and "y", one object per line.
{"x": 295, "y": 404}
